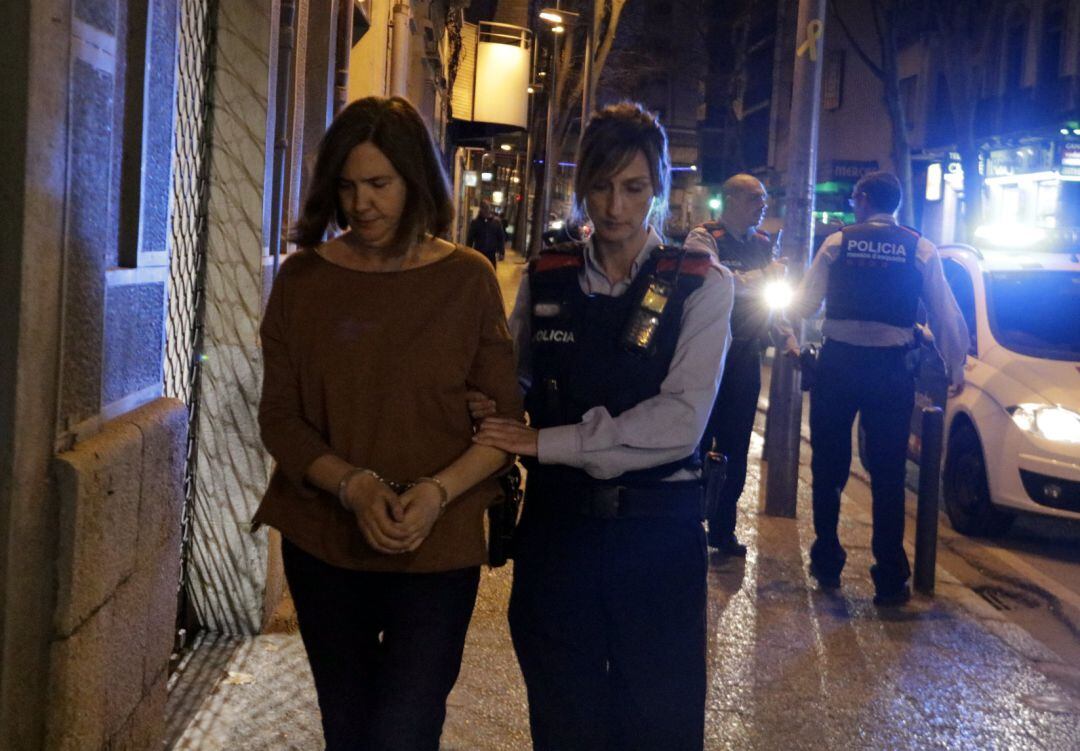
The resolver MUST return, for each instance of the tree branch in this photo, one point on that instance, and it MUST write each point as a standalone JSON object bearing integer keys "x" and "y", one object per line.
{"x": 875, "y": 11}
{"x": 874, "y": 68}
{"x": 571, "y": 78}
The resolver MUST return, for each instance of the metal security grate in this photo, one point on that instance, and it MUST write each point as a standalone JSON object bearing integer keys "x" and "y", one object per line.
{"x": 188, "y": 239}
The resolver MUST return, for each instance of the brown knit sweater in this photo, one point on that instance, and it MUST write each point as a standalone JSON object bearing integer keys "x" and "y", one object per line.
{"x": 373, "y": 367}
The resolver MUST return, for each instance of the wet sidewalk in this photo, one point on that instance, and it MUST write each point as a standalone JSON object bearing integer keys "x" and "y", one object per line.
{"x": 789, "y": 667}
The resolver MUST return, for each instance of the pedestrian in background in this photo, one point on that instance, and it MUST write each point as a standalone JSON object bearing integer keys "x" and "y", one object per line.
{"x": 487, "y": 234}
{"x": 749, "y": 253}
{"x": 872, "y": 276}
{"x": 621, "y": 344}
{"x": 369, "y": 340}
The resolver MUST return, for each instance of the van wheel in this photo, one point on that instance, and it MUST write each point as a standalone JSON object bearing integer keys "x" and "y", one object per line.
{"x": 967, "y": 494}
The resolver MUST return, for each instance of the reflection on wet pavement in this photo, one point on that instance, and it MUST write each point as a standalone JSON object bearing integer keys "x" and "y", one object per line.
{"x": 790, "y": 667}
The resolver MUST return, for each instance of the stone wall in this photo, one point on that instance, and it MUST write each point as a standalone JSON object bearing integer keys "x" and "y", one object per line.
{"x": 118, "y": 562}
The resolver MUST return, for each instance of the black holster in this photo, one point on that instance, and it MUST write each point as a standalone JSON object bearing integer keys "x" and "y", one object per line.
{"x": 503, "y": 517}
{"x": 714, "y": 472}
{"x": 808, "y": 360}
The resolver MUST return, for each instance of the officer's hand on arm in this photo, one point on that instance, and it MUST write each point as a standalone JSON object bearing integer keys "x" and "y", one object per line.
{"x": 378, "y": 511}
{"x": 511, "y": 436}
{"x": 480, "y": 405}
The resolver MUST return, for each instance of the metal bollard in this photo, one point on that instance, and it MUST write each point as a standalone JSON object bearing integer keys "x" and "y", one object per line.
{"x": 926, "y": 515}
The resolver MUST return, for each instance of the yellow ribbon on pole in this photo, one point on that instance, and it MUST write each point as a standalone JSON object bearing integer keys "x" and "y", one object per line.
{"x": 814, "y": 31}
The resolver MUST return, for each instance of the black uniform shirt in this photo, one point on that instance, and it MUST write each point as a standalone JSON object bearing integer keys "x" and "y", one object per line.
{"x": 747, "y": 259}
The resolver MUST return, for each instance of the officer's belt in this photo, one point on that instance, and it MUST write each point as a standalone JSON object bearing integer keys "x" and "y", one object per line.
{"x": 681, "y": 499}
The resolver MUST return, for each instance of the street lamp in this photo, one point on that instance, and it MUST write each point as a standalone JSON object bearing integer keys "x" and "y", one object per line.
{"x": 559, "y": 19}
{"x": 550, "y": 164}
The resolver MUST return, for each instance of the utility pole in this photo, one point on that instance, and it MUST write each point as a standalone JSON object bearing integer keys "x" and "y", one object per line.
{"x": 589, "y": 19}
{"x": 551, "y": 159}
{"x": 784, "y": 419}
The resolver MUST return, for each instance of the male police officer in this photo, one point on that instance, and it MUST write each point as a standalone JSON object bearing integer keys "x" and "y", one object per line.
{"x": 871, "y": 276}
{"x": 748, "y": 253}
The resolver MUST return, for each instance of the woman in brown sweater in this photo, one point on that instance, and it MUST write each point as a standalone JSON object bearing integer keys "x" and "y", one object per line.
{"x": 370, "y": 342}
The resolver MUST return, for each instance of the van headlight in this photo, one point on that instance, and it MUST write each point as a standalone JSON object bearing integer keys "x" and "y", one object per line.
{"x": 1051, "y": 422}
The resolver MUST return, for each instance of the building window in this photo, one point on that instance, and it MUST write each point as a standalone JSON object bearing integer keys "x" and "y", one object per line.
{"x": 908, "y": 90}
{"x": 146, "y": 162}
{"x": 1015, "y": 47}
{"x": 939, "y": 126}
{"x": 1053, "y": 38}
{"x": 1047, "y": 203}
{"x": 833, "y": 84}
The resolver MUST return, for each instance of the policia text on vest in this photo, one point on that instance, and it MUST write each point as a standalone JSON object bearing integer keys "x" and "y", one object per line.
{"x": 872, "y": 277}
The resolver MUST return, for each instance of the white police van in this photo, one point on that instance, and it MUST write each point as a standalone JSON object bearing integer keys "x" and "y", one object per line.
{"x": 1012, "y": 435}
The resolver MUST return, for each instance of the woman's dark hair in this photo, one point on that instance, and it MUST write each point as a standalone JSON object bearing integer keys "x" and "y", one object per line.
{"x": 396, "y": 129}
{"x": 612, "y": 138}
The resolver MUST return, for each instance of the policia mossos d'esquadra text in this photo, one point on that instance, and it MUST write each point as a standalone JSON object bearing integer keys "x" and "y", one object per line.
{"x": 872, "y": 276}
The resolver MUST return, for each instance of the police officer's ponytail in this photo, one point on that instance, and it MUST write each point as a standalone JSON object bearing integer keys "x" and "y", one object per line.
{"x": 613, "y": 136}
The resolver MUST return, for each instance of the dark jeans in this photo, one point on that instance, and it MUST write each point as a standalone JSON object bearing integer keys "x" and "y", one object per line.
{"x": 730, "y": 425}
{"x": 384, "y": 648}
{"x": 873, "y": 382}
{"x": 608, "y": 622}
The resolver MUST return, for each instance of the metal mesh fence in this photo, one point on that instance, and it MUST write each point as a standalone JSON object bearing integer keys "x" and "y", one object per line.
{"x": 188, "y": 233}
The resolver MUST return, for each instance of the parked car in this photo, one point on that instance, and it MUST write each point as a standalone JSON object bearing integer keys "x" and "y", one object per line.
{"x": 1012, "y": 435}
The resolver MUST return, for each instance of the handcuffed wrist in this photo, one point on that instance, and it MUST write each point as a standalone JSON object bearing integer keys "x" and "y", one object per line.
{"x": 343, "y": 486}
{"x": 444, "y": 494}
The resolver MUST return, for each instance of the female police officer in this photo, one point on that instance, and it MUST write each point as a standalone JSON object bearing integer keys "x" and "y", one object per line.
{"x": 621, "y": 343}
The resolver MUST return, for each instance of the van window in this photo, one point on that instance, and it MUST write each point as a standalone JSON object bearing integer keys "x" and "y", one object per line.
{"x": 1034, "y": 312}
{"x": 964, "y": 291}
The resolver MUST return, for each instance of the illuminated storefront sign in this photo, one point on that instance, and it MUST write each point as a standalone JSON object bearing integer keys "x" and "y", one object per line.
{"x": 1020, "y": 160}
{"x": 846, "y": 169}
{"x": 1070, "y": 159}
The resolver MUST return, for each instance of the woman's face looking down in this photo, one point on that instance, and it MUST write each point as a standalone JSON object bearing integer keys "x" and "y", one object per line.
{"x": 619, "y": 205}
{"x": 372, "y": 195}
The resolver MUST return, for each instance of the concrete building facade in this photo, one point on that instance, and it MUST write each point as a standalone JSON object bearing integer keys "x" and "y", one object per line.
{"x": 155, "y": 154}
{"x": 91, "y": 452}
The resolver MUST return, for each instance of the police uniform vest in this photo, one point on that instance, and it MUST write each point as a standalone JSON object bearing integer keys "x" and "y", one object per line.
{"x": 578, "y": 358}
{"x": 874, "y": 277}
{"x": 749, "y": 316}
